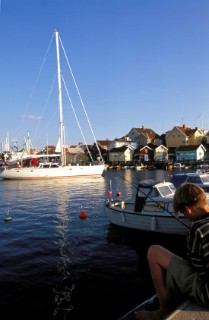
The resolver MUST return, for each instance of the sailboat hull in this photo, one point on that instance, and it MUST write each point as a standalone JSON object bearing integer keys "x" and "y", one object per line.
{"x": 51, "y": 173}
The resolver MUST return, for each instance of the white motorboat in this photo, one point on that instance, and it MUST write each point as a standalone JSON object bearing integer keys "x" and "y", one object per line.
{"x": 151, "y": 211}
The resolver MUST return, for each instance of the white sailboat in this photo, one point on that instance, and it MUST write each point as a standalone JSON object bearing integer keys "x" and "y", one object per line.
{"x": 50, "y": 169}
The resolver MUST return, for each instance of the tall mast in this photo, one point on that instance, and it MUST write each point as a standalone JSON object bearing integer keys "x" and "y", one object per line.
{"x": 62, "y": 147}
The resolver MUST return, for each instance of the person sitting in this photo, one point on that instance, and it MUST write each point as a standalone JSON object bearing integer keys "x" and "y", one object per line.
{"x": 174, "y": 276}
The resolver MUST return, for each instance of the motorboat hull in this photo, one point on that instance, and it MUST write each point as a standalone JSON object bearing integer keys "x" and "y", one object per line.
{"x": 154, "y": 221}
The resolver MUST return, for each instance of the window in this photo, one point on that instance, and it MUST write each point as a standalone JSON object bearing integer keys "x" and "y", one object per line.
{"x": 193, "y": 180}
{"x": 165, "y": 191}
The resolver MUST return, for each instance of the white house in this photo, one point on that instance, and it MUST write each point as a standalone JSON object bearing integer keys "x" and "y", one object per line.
{"x": 121, "y": 154}
{"x": 161, "y": 153}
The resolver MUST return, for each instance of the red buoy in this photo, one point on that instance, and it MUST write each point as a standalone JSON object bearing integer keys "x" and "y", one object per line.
{"x": 118, "y": 194}
{"x": 83, "y": 215}
{"x": 109, "y": 193}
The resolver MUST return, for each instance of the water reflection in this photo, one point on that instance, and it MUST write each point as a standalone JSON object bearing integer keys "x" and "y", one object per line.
{"x": 72, "y": 234}
{"x": 63, "y": 290}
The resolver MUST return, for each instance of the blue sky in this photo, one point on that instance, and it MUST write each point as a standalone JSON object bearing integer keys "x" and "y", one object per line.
{"x": 136, "y": 62}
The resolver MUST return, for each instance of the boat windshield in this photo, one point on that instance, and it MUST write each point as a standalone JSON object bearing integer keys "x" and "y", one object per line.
{"x": 167, "y": 191}
{"x": 205, "y": 179}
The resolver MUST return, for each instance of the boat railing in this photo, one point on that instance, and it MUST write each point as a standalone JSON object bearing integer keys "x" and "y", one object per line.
{"x": 154, "y": 206}
{"x": 158, "y": 206}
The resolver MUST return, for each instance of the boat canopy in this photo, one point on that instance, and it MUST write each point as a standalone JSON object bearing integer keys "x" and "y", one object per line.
{"x": 153, "y": 190}
{"x": 147, "y": 183}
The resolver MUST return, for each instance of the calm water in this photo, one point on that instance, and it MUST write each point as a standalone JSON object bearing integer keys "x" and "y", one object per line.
{"x": 54, "y": 265}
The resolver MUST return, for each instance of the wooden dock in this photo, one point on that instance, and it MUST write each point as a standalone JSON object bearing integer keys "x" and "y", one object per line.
{"x": 185, "y": 311}
{"x": 189, "y": 311}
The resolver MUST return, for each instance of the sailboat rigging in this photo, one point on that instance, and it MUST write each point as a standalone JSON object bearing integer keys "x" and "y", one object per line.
{"x": 63, "y": 157}
{"x": 55, "y": 170}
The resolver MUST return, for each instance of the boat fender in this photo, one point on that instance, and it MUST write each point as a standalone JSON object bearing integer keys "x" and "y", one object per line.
{"x": 153, "y": 224}
{"x": 7, "y": 218}
{"x": 123, "y": 217}
{"x": 18, "y": 164}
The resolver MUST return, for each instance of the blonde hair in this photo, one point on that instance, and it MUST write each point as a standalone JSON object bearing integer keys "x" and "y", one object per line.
{"x": 188, "y": 195}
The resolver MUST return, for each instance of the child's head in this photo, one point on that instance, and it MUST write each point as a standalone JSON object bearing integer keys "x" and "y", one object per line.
{"x": 188, "y": 195}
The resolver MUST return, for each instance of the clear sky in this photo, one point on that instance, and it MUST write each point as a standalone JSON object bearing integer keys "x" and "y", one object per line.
{"x": 136, "y": 62}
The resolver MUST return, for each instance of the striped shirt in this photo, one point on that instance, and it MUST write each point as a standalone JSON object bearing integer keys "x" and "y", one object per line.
{"x": 198, "y": 250}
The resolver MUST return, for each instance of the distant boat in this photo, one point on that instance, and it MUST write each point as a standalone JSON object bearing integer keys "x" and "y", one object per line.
{"x": 46, "y": 170}
{"x": 140, "y": 166}
{"x": 178, "y": 165}
{"x": 198, "y": 178}
{"x": 152, "y": 210}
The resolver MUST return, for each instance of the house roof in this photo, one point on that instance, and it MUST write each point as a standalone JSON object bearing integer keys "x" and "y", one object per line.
{"x": 172, "y": 149}
{"x": 123, "y": 139}
{"x": 75, "y": 149}
{"x": 161, "y": 147}
{"x": 103, "y": 142}
{"x": 120, "y": 149}
{"x": 147, "y": 132}
{"x": 192, "y": 131}
{"x": 140, "y": 148}
{"x": 188, "y": 148}
{"x": 187, "y": 131}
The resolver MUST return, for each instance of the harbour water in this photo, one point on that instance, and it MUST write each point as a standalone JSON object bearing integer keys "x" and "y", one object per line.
{"x": 54, "y": 265}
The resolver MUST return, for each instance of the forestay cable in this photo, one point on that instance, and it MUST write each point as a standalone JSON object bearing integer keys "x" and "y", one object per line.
{"x": 76, "y": 117}
{"x": 81, "y": 100}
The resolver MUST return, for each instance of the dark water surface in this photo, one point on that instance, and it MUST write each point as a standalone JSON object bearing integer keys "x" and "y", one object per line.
{"x": 54, "y": 265}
